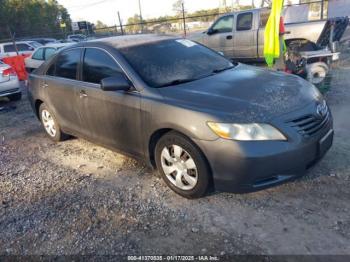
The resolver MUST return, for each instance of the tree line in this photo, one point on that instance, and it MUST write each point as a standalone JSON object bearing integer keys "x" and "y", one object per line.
{"x": 25, "y": 18}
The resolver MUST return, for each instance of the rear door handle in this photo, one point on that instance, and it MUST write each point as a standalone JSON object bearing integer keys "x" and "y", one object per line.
{"x": 45, "y": 85}
{"x": 82, "y": 94}
{"x": 229, "y": 37}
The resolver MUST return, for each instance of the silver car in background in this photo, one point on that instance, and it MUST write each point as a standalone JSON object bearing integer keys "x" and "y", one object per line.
{"x": 9, "y": 83}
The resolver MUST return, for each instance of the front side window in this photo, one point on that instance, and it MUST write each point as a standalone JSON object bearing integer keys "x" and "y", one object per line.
{"x": 39, "y": 54}
{"x": 24, "y": 47}
{"x": 49, "y": 52}
{"x": 174, "y": 61}
{"x": 66, "y": 64}
{"x": 244, "y": 21}
{"x": 223, "y": 25}
{"x": 98, "y": 65}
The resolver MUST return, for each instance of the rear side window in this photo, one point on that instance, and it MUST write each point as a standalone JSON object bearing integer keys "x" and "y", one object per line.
{"x": 98, "y": 65}
{"x": 244, "y": 21}
{"x": 39, "y": 54}
{"x": 66, "y": 64}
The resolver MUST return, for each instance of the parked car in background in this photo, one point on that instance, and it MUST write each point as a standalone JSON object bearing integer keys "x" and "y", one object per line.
{"x": 202, "y": 120}
{"x": 41, "y": 54}
{"x": 9, "y": 84}
{"x": 240, "y": 35}
{"x": 23, "y": 48}
{"x": 44, "y": 40}
{"x": 77, "y": 38}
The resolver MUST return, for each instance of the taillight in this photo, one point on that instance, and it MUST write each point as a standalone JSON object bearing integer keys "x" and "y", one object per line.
{"x": 9, "y": 72}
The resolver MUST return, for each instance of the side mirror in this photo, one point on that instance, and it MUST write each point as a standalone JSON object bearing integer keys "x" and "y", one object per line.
{"x": 115, "y": 83}
{"x": 211, "y": 31}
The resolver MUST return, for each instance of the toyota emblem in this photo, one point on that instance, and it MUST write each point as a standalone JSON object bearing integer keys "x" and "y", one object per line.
{"x": 322, "y": 109}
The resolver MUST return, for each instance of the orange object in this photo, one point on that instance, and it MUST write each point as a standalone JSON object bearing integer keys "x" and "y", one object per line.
{"x": 17, "y": 63}
{"x": 282, "y": 28}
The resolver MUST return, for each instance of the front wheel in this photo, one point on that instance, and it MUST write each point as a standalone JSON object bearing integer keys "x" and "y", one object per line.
{"x": 182, "y": 165}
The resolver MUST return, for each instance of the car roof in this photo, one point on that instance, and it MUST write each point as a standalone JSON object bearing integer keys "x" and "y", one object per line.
{"x": 56, "y": 45}
{"x": 132, "y": 40}
{"x": 17, "y": 42}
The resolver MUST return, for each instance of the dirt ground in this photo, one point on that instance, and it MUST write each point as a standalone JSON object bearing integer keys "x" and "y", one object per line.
{"x": 78, "y": 198}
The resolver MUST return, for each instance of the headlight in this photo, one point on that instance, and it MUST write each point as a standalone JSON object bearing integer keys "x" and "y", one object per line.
{"x": 246, "y": 132}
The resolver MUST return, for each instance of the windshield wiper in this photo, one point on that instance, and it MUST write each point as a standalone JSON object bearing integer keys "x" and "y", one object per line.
{"x": 178, "y": 82}
{"x": 215, "y": 71}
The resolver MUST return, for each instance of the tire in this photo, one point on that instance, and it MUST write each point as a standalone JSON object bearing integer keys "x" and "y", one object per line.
{"x": 50, "y": 124}
{"x": 317, "y": 73}
{"x": 15, "y": 97}
{"x": 178, "y": 173}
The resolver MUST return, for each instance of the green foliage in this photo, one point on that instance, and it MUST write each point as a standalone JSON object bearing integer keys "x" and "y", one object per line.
{"x": 100, "y": 24}
{"x": 32, "y": 18}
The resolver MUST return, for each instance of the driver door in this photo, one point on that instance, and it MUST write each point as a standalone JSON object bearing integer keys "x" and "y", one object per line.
{"x": 220, "y": 36}
{"x": 111, "y": 118}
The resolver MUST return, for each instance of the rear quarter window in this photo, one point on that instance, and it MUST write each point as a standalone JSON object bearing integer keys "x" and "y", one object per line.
{"x": 244, "y": 21}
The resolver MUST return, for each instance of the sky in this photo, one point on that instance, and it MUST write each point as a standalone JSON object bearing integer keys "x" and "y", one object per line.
{"x": 106, "y": 10}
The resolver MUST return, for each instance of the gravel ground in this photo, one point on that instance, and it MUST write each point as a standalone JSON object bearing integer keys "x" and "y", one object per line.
{"x": 78, "y": 198}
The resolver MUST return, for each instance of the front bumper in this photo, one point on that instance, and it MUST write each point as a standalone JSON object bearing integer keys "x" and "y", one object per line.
{"x": 239, "y": 166}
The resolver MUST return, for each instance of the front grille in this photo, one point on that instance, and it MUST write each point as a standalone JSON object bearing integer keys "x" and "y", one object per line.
{"x": 310, "y": 125}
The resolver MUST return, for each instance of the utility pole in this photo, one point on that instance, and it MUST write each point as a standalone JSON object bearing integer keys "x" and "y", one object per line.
{"x": 120, "y": 24}
{"x": 141, "y": 20}
{"x": 13, "y": 35}
{"x": 184, "y": 17}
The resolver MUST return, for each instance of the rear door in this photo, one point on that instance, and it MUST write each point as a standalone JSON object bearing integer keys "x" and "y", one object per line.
{"x": 111, "y": 117}
{"x": 245, "y": 40}
{"x": 61, "y": 85}
{"x": 220, "y": 37}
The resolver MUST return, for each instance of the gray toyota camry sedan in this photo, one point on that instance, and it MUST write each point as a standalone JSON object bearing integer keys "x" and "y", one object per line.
{"x": 204, "y": 122}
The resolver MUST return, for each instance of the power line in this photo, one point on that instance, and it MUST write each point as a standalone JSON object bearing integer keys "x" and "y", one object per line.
{"x": 80, "y": 7}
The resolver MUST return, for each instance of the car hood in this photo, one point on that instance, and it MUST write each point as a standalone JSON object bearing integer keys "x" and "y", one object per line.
{"x": 244, "y": 93}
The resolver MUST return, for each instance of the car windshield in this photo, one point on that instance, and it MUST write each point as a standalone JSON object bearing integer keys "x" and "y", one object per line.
{"x": 174, "y": 61}
{"x": 35, "y": 44}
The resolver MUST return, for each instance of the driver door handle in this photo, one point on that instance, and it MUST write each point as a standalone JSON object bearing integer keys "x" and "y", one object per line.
{"x": 82, "y": 94}
{"x": 229, "y": 37}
